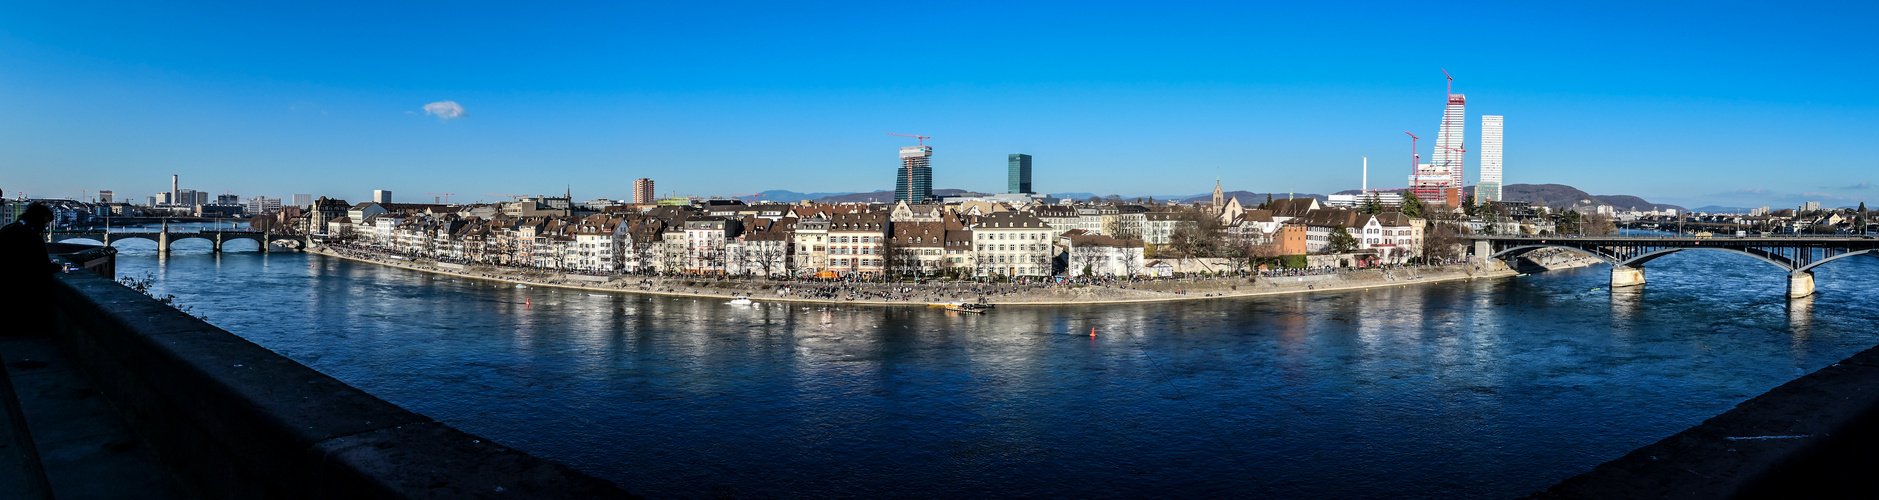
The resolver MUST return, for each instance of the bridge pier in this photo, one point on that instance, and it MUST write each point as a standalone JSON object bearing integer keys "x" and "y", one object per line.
{"x": 1800, "y": 284}
{"x": 1623, "y": 276}
{"x": 163, "y": 241}
{"x": 218, "y": 244}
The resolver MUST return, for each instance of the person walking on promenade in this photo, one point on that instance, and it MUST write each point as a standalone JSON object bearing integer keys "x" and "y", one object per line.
{"x": 26, "y": 274}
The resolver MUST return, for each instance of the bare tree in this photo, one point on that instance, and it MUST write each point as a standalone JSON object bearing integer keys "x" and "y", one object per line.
{"x": 1131, "y": 261}
{"x": 1443, "y": 241}
{"x": 1599, "y": 224}
{"x": 1196, "y": 234}
{"x": 769, "y": 255}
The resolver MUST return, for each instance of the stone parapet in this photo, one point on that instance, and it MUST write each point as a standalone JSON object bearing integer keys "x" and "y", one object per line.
{"x": 239, "y": 421}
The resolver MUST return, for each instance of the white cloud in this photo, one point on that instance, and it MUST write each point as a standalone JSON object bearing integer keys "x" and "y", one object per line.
{"x": 445, "y": 110}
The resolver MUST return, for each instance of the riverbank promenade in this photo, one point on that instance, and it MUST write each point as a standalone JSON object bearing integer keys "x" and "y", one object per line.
{"x": 1023, "y": 292}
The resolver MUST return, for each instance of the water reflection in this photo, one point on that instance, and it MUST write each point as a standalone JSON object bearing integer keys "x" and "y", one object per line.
{"x": 1800, "y": 317}
{"x": 1482, "y": 388}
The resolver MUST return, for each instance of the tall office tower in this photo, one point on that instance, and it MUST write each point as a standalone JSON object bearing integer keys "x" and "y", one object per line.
{"x": 1020, "y": 176}
{"x": 175, "y": 193}
{"x": 381, "y": 196}
{"x": 104, "y": 196}
{"x": 1450, "y": 142}
{"x": 202, "y": 198}
{"x": 184, "y": 197}
{"x": 227, "y": 199}
{"x": 160, "y": 199}
{"x": 642, "y": 191}
{"x": 914, "y": 183}
{"x": 1490, "y": 185}
{"x": 303, "y": 200}
{"x": 150, "y": 201}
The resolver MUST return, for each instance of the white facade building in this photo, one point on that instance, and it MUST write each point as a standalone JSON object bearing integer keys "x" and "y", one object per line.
{"x": 1012, "y": 244}
{"x": 1490, "y": 186}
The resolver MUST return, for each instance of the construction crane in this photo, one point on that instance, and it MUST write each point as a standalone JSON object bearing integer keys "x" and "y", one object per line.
{"x": 922, "y": 138}
{"x": 446, "y": 197}
{"x": 753, "y": 197}
{"x": 518, "y": 197}
{"x": 83, "y": 193}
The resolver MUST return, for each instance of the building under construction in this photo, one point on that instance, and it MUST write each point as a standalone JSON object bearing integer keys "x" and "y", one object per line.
{"x": 914, "y": 183}
{"x": 1440, "y": 181}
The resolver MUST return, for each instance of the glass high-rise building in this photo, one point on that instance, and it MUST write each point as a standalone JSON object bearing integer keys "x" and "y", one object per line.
{"x": 914, "y": 183}
{"x": 1450, "y": 142}
{"x": 1020, "y": 174}
{"x": 1490, "y": 186}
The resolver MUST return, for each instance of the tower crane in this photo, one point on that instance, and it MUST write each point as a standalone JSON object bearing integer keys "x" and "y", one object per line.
{"x": 446, "y": 197}
{"x": 922, "y": 138}
{"x": 518, "y": 197}
{"x": 753, "y": 197}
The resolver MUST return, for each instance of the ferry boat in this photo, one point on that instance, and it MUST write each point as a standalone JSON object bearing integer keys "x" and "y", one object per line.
{"x": 741, "y": 301}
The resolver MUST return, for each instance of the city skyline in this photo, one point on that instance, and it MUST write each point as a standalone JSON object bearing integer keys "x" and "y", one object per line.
{"x": 1150, "y": 113}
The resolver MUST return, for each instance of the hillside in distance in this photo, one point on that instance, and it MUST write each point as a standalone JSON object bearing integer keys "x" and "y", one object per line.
{"x": 1562, "y": 196}
{"x": 883, "y": 196}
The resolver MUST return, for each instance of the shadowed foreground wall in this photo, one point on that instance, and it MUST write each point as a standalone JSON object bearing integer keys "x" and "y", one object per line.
{"x": 236, "y": 420}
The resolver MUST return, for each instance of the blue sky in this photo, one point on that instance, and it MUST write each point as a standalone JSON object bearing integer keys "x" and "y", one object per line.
{"x": 1732, "y": 104}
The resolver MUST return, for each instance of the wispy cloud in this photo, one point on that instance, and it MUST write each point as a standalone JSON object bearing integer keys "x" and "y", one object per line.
{"x": 1748, "y": 191}
{"x": 1862, "y": 185}
{"x": 445, "y": 110}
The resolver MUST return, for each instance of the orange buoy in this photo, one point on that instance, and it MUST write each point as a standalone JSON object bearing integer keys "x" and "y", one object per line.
{"x": 1092, "y": 332}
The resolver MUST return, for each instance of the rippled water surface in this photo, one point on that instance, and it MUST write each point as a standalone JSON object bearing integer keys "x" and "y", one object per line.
{"x": 1490, "y": 388}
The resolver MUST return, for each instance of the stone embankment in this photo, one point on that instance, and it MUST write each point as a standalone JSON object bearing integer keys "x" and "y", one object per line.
{"x": 1554, "y": 259}
{"x": 1011, "y": 294}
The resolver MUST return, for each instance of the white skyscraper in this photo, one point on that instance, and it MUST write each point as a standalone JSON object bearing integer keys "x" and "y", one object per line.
{"x": 381, "y": 196}
{"x": 1490, "y": 185}
{"x": 1449, "y": 142}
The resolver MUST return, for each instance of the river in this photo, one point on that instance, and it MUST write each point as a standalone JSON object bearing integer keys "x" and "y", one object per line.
{"x": 1487, "y": 388}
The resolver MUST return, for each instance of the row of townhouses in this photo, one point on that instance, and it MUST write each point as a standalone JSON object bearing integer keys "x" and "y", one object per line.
{"x": 969, "y": 239}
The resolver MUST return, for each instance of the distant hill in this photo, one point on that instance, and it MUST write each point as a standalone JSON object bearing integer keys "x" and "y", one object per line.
{"x": 1719, "y": 209}
{"x": 787, "y": 196}
{"x": 883, "y": 196}
{"x": 1250, "y": 199}
{"x": 1563, "y": 196}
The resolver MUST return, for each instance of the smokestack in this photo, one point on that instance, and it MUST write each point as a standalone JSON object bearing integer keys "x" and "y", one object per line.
{"x": 1366, "y": 185}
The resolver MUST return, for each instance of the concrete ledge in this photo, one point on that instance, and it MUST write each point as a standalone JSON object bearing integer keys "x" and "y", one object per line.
{"x": 240, "y": 421}
{"x": 1778, "y": 444}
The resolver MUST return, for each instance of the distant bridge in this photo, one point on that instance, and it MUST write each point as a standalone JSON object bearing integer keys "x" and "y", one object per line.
{"x": 164, "y": 237}
{"x": 1798, "y": 255}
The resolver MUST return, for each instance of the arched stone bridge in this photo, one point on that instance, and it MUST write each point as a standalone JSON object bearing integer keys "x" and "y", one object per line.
{"x": 1797, "y": 255}
{"x": 165, "y": 237}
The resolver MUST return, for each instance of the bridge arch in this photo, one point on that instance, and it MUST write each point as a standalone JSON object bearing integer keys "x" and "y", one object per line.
{"x": 1810, "y": 267}
{"x": 1777, "y": 260}
{"x": 1522, "y": 250}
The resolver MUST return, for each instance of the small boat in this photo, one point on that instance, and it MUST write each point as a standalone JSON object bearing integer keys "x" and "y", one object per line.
{"x": 521, "y": 286}
{"x": 968, "y": 308}
{"x": 741, "y": 301}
